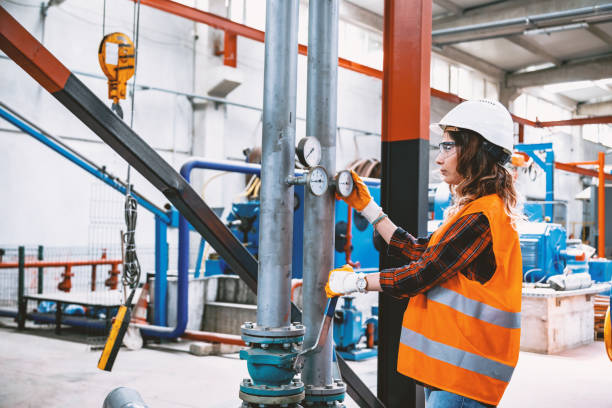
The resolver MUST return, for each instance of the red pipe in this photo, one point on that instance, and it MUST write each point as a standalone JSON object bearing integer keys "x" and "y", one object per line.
{"x": 60, "y": 264}
{"x": 214, "y": 337}
{"x": 370, "y": 335}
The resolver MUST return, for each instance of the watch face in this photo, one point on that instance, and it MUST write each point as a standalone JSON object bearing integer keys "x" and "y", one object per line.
{"x": 361, "y": 284}
{"x": 317, "y": 181}
{"x": 344, "y": 183}
{"x": 309, "y": 151}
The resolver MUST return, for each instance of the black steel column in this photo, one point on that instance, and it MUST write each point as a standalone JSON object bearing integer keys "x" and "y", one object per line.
{"x": 405, "y": 167}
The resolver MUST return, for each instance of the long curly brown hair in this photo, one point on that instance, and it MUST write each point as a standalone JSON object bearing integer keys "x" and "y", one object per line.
{"x": 482, "y": 174}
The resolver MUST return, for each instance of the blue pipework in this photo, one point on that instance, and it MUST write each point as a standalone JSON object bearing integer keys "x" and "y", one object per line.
{"x": 548, "y": 165}
{"x": 80, "y": 162}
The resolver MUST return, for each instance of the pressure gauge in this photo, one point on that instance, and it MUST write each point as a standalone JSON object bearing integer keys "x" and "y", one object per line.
{"x": 309, "y": 151}
{"x": 317, "y": 181}
{"x": 344, "y": 183}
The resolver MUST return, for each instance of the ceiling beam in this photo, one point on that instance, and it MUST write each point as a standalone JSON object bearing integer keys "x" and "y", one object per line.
{"x": 594, "y": 109}
{"x": 507, "y": 24}
{"x": 464, "y": 58}
{"x": 507, "y": 10}
{"x": 448, "y": 5}
{"x": 552, "y": 97}
{"x": 360, "y": 16}
{"x": 599, "y": 33}
{"x": 533, "y": 48}
{"x": 592, "y": 69}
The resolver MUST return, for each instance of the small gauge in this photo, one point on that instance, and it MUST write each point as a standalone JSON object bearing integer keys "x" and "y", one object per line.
{"x": 309, "y": 151}
{"x": 344, "y": 183}
{"x": 317, "y": 181}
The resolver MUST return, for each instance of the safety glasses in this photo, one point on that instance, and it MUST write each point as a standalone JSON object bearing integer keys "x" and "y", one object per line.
{"x": 447, "y": 148}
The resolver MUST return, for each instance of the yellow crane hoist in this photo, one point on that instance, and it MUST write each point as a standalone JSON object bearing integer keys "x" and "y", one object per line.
{"x": 116, "y": 56}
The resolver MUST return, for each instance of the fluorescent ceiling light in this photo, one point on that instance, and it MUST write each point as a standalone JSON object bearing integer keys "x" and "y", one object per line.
{"x": 549, "y": 30}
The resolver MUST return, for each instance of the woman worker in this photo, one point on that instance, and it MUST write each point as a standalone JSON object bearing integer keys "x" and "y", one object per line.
{"x": 461, "y": 330}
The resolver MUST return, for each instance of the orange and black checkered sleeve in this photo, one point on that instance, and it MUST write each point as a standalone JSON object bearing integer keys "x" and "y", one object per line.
{"x": 404, "y": 246}
{"x": 466, "y": 247}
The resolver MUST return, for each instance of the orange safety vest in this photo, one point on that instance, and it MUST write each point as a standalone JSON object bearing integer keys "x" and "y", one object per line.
{"x": 463, "y": 336}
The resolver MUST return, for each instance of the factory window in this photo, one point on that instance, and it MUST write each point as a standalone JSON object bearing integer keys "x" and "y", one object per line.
{"x": 537, "y": 109}
{"x": 456, "y": 79}
{"x": 598, "y": 134}
{"x": 440, "y": 74}
{"x": 360, "y": 45}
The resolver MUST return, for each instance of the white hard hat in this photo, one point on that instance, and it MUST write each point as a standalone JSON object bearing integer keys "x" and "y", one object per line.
{"x": 488, "y": 118}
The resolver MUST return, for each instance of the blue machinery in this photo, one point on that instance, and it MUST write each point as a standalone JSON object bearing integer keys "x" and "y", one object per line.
{"x": 548, "y": 165}
{"x": 362, "y": 233}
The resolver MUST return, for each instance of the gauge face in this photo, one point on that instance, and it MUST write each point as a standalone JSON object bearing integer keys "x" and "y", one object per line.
{"x": 309, "y": 151}
{"x": 344, "y": 183}
{"x": 317, "y": 181}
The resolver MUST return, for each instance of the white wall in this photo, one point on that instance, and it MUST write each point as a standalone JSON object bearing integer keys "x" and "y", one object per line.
{"x": 49, "y": 201}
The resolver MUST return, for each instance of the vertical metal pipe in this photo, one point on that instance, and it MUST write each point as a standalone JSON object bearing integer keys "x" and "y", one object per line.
{"x": 278, "y": 162}
{"x": 21, "y": 303}
{"x": 321, "y": 108}
{"x": 40, "y": 270}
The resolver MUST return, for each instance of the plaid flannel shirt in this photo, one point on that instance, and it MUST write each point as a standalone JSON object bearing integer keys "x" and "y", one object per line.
{"x": 466, "y": 247}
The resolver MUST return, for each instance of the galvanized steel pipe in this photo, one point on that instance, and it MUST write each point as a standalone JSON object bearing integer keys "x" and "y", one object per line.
{"x": 321, "y": 112}
{"x": 278, "y": 162}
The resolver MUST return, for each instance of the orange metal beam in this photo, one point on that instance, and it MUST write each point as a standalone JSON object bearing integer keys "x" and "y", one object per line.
{"x": 229, "y": 49}
{"x": 601, "y": 201}
{"x": 586, "y": 163}
{"x": 446, "y": 96}
{"x": 595, "y": 120}
{"x": 580, "y": 170}
{"x": 200, "y": 16}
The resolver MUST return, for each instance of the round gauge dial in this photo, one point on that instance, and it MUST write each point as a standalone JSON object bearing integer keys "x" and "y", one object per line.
{"x": 317, "y": 181}
{"x": 344, "y": 183}
{"x": 309, "y": 151}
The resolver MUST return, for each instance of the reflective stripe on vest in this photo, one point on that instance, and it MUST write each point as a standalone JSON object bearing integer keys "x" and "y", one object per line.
{"x": 457, "y": 357}
{"x": 470, "y": 307}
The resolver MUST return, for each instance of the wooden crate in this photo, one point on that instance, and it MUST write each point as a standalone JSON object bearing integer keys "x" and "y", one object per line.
{"x": 553, "y": 321}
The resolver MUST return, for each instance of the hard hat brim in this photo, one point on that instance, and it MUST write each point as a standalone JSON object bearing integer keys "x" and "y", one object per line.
{"x": 437, "y": 128}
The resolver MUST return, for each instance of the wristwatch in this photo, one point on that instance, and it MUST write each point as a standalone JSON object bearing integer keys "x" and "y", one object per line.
{"x": 362, "y": 283}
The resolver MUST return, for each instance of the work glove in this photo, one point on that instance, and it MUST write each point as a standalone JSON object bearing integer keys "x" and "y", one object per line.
{"x": 361, "y": 200}
{"x": 341, "y": 281}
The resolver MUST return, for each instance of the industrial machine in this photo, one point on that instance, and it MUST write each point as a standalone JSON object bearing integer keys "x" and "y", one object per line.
{"x": 350, "y": 329}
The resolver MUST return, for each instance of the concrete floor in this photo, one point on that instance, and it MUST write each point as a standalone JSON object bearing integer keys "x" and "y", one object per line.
{"x": 40, "y": 369}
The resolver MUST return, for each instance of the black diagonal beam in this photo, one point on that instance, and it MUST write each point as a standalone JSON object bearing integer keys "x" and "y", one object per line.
{"x": 50, "y": 73}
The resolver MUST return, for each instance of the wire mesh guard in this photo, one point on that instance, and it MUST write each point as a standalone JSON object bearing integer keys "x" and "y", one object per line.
{"x": 90, "y": 275}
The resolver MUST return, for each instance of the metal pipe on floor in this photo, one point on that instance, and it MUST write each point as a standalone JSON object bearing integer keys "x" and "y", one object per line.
{"x": 278, "y": 162}
{"x": 123, "y": 397}
{"x": 214, "y": 337}
{"x": 321, "y": 115}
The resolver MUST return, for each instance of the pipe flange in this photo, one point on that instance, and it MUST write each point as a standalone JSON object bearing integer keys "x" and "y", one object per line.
{"x": 251, "y": 332}
{"x": 291, "y": 393}
{"x": 330, "y": 392}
